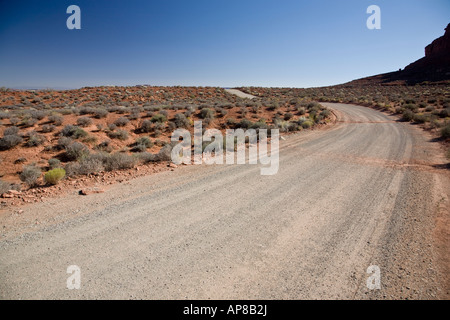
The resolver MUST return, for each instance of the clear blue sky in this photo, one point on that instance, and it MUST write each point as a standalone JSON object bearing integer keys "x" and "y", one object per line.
{"x": 211, "y": 42}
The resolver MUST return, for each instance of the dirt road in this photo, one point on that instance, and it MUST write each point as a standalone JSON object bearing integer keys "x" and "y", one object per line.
{"x": 366, "y": 191}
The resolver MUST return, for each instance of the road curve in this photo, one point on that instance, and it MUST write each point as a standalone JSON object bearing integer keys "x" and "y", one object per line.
{"x": 361, "y": 193}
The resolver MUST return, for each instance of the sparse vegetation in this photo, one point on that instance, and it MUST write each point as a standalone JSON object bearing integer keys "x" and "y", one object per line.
{"x": 54, "y": 176}
{"x": 30, "y": 175}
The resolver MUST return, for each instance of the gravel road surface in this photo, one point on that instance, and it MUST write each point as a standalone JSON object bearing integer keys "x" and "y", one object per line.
{"x": 367, "y": 191}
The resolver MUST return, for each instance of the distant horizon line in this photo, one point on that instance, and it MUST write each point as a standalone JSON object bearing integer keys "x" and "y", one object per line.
{"x": 41, "y": 88}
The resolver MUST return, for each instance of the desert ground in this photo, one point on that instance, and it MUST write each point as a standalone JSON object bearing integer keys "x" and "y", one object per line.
{"x": 361, "y": 189}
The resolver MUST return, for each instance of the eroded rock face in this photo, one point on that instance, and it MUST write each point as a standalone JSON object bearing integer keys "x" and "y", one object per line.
{"x": 440, "y": 46}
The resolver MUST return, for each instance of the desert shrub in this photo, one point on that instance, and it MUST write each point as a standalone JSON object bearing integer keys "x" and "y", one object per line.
{"x": 119, "y": 134}
{"x": 301, "y": 111}
{"x": 445, "y": 131}
{"x": 48, "y": 128}
{"x": 121, "y": 122}
{"x": 38, "y": 114}
{"x": 272, "y": 106}
{"x": 231, "y": 122}
{"x": 10, "y": 141}
{"x": 30, "y": 174}
{"x": 54, "y": 163}
{"x": 91, "y": 164}
{"x": 207, "y": 113}
{"x": 14, "y": 121}
{"x": 11, "y": 131}
{"x": 325, "y": 113}
{"x": 292, "y": 126}
{"x": 134, "y": 115}
{"x": 100, "y": 113}
{"x": 89, "y": 139}
{"x": 4, "y": 186}
{"x": 57, "y": 120}
{"x": 35, "y": 140}
{"x": 76, "y": 151}
{"x": 165, "y": 153}
{"x": 288, "y": 116}
{"x": 63, "y": 143}
{"x": 73, "y": 132}
{"x": 407, "y": 115}
{"x": 260, "y": 124}
{"x": 444, "y": 113}
{"x": 72, "y": 169}
{"x": 306, "y": 124}
{"x": 146, "y": 126}
{"x": 141, "y": 144}
{"x": 117, "y": 161}
{"x": 420, "y": 118}
{"x": 112, "y": 127}
{"x": 4, "y": 115}
{"x": 28, "y": 122}
{"x": 245, "y": 124}
{"x": 171, "y": 125}
{"x": 181, "y": 121}
{"x": 84, "y": 121}
{"x": 411, "y": 106}
{"x": 159, "y": 118}
{"x": 104, "y": 146}
{"x": 164, "y": 113}
{"x": 147, "y": 157}
{"x": 221, "y": 112}
{"x": 54, "y": 176}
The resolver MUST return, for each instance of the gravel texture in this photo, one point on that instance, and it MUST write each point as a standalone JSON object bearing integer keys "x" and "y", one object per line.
{"x": 366, "y": 191}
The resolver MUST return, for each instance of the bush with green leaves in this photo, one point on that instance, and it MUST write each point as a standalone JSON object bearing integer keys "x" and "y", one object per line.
{"x": 30, "y": 175}
{"x": 54, "y": 176}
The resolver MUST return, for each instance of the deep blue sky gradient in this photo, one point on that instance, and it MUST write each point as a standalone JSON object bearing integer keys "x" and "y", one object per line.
{"x": 211, "y": 42}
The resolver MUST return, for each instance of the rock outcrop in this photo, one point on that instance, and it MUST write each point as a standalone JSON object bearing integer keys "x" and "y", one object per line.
{"x": 433, "y": 68}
